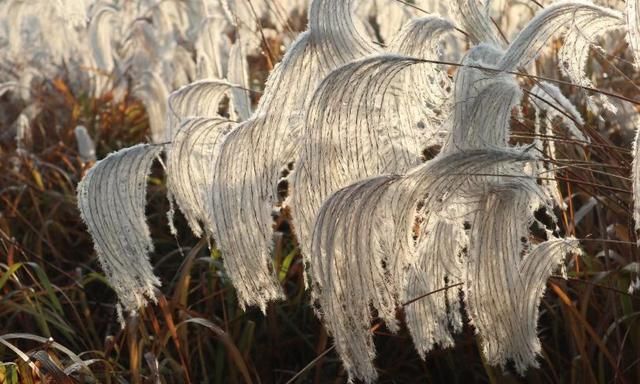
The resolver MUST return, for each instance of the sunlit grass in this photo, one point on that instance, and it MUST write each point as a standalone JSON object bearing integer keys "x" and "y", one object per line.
{"x": 57, "y": 310}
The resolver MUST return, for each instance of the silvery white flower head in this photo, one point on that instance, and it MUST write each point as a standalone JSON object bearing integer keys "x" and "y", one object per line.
{"x": 86, "y": 146}
{"x": 112, "y": 200}
{"x": 24, "y": 135}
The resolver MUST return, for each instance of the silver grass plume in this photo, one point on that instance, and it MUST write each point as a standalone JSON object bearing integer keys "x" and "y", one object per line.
{"x": 585, "y": 21}
{"x": 238, "y": 73}
{"x": 253, "y": 155}
{"x": 193, "y": 108}
{"x": 140, "y": 48}
{"x": 100, "y": 37}
{"x": 546, "y": 24}
{"x": 418, "y": 312}
{"x": 348, "y": 137}
{"x": 363, "y": 241}
{"x": 212, "y": 47}
{"x": 430, "y": 318}
{"x": 504, "y": 338}
{"x": 189, "y": 160}
{"x": 426, "y": 85}
{"x": 477, "y": 120}
{"x": 574, "y": 51}
{"x": 152, "y": 91}
{"x": 504, "y": 289}
{"x": 181, "y": 68}
{"x": 495, "y": 320}
{"x": 24, "y": 134}
{"x": 198, "y": 99}
{"x": 364, "y": 121}
{"x": 51, "y": 17}
{"x": 475, "y": 20}
{"x": 86, "y": 146}
{"x": 548, "y": 98}
{"x": 112, "y": 200}
{"x": 101, "y": 34}
{"x": 195, "y": 129}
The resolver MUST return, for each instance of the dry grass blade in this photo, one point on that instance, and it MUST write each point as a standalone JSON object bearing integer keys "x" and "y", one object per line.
{"x": 51, "y": 369}
{"x": 234, "y": 352}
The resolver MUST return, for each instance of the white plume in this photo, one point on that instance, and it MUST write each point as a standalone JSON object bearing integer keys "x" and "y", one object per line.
{"x": 112, "y": 200}
{"x": 253, "y": 155}
{"x": 86, "y": 146}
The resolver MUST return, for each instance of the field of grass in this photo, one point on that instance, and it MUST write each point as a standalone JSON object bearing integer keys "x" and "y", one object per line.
{"x": 58, "y": 319}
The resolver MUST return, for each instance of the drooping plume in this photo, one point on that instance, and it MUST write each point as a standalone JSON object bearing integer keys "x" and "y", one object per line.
{"x": 212, "y": 46}
{"x": 153, "y": 93}
{"x": 100, "y": 35}
{"x": 476, "y": 22}
{"x": 189, "y": 158}
{"x": 86, "y": 146}
{"x": 504, "y": 288}
{"x": 370, "y": 117}
{"x": 239, "y": 75}
{"x": 199, "y": 99}
{"x": 429, "y": 315}
{"x": 349, "y": 137}
{"x": 112, "y": 201}
{"x": 253, "y": 155}
{"x": 363, "y": 243}
{"x": 587, "y": 17}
